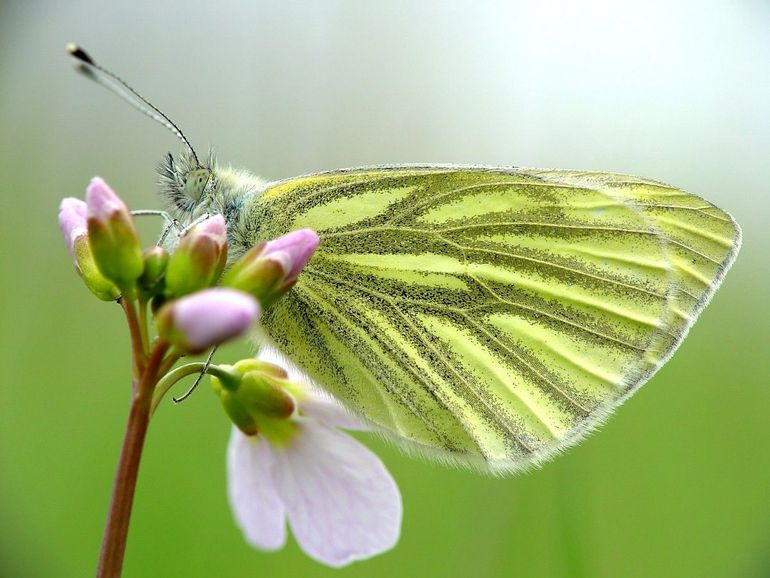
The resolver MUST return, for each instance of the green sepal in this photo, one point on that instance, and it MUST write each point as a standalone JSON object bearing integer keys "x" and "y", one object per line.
{"x": 196, "y": 264}
{"x": 235, "y": 410}
{"x": 278, "y": 431}
{"x": 97, "y": 283}
{"x": 259, "y": 399}
{"x": 261, "y": 277}
{"x": 246, "y": 365}
{"x": 265, "y": 395}
{"x": 116, "y": 249}
{"x": 228, "y": 376}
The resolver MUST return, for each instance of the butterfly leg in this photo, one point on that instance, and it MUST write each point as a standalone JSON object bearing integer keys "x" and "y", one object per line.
{"x": 198, "y": 379}
{"x": 171, "y": 223}
{"x": 196, "y": 222}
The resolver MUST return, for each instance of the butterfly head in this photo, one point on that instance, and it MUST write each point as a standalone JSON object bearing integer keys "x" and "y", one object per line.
{"x": 186, "y": 184}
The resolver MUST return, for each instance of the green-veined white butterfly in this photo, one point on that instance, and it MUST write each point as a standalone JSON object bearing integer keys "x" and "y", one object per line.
{"x": 486, "y": 316}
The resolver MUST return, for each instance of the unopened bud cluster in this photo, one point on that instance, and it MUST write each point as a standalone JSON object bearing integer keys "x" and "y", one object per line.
{"x": 190, "y": 312}
{"x": 256, "y": 395}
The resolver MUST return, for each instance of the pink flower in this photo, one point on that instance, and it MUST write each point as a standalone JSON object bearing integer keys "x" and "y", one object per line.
{"x": 340, "y": 501}
{"x": 207, "y": 318}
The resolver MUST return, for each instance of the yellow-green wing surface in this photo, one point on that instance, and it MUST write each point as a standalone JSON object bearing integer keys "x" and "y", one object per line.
{"x": 490, "y": 316}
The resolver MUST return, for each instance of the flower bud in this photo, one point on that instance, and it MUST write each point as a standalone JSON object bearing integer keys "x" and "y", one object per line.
{"x": 264, "y": 394}
{"x": 112, "y": 235}
{"x": 72, "y": 221}
{"x": 199, "y": 258}
{"x": 270, "y": 269}
{"x": 235, "y": 410}
{"x": 206, "y": 318}
{"x": 244, "y": 366}
{"x": 260, "y": 400}
{"x": 155, "y": 261}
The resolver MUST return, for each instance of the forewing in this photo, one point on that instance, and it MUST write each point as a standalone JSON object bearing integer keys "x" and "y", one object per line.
{"x": 490, "y": 316}
{"x": 701, "y": 242}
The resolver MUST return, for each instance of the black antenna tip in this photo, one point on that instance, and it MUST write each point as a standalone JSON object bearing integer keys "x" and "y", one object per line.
{"x": 79, "y": 53}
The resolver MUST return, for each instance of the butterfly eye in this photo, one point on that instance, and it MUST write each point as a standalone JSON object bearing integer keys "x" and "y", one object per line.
{"x": 197, "y": 182}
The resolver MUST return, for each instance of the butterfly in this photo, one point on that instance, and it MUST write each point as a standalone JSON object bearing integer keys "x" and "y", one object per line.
{"x": 484, "y": 316}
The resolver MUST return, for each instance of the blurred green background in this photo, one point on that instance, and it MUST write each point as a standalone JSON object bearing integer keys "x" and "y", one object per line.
{"x": 676, "y": 484}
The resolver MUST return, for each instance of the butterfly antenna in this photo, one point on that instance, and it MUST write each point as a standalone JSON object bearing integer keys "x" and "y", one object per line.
{"x": 117, "y": 85}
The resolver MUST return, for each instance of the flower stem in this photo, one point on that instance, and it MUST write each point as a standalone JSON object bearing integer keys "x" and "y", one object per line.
{"x": 116, "y": 530}
{"x": 143, "y": 332}
{"x": 137, "y": 346}
{"x": 170, "y": 379}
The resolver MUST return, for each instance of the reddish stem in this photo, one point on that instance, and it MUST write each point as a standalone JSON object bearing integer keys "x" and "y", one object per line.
{"x": 116, "y": 530}
{"x": 137, "y": 344}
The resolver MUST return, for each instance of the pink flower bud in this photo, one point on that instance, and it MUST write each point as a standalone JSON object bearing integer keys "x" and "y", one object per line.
{"x": 293, "y": 249}
{"x": 214, "y": 226}
{"x": 207, "y": 318}
{"x": 270, "y": 269}
{"x": 199, "y": 259}
{"x": 72, "y": 221}
{"x": 102, "y": 201}
{"x": 113, "y": 237}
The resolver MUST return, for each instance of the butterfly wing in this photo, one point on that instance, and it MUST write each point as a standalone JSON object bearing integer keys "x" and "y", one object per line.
{"x": 490, "y": 316}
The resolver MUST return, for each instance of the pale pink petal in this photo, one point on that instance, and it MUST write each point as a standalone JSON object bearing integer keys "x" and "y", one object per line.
{"x": 322, "y": 407}
{"x": 341, "y": 502}
{"x": 257, "y": 508}
{"x": 317, "y": 403}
